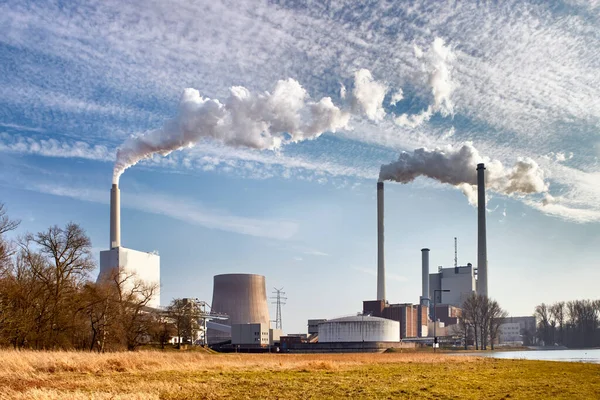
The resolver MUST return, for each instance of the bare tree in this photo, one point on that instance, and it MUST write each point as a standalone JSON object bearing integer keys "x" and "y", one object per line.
{"x": 496, "y": 315}
{"x": 136, "y": 317}
{"x": 6, "y": 246}
{"x": 542, "y": 314}
{"x": 60, "y": 260}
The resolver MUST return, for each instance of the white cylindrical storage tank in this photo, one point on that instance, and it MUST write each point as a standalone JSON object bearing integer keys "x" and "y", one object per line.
{"x": 359, "y": 329}
{"x": 243, "y": 297}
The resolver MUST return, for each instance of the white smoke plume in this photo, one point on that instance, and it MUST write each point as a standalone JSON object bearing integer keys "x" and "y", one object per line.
{"x": 457, "y": 166}
{"x": 437, "y": 66}
{"x": 368, "y": 95}
{"x": 262, "y": 121}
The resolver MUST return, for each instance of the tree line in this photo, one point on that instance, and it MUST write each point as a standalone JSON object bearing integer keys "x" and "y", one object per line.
{"x": 48, "y": 301}
{"x": 571, "y": 324}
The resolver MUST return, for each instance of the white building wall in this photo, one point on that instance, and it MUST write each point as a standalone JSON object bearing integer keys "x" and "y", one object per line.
{"x": 510, "y": 332}
{"x": 145, "y": 267}
{"x": 255, "y": 334}
{"x": 359, "y": 329}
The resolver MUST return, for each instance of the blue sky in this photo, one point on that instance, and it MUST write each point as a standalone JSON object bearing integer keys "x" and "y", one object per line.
{"x": 79, "y": 78}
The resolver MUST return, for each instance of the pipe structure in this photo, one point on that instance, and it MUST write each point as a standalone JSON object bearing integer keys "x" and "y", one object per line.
{"x": 425, "y": 277}
{"x": 482, "y": 270}
{"x": 380, "y": 246}
{"x": 115, "y": 217}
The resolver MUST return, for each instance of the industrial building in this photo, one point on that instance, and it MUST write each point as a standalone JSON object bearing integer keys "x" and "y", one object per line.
{"x": 460, "y": 281}
{"x": 360, "y": 328}
{"x": 243, "y": 297}
{"x": 254, "y": 335}
{"x": 136, "y": 265}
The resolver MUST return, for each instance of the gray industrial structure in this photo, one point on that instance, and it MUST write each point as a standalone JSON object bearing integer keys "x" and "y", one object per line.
{"x": 482, "y": 267}
{"x": 380, "y": 244}
{"x": 243, "y": 297}
{"x": 425, "y": 294}
{"x": 459, "y": 280}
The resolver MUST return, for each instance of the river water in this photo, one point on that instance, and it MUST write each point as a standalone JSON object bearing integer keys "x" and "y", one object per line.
{"x": 581, "y": 355}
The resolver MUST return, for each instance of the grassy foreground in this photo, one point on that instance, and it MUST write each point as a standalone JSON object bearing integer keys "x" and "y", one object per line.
{"x": 192, "y": 375}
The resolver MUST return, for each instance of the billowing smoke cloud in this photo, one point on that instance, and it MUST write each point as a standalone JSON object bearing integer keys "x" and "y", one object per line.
{"x": 368, "y": 95}
{"x": 457, "y": 166}
{"x": 436, "y": 64}
{"x": 263, "y": 121}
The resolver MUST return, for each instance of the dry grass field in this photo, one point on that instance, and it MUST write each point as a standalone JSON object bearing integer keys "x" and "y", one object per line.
{"x": 194, "y": 375}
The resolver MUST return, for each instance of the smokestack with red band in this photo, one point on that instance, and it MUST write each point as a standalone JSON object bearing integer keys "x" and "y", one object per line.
{"x": 380, "y": 248}
{"x": 115, "y": 217}
{"x": 425, "y": 277}
{"x": 482, "y": 272}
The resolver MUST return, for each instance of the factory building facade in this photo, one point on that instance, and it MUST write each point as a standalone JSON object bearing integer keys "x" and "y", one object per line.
{"x": 412, "y": 318}
{"x": 460, "y": 281}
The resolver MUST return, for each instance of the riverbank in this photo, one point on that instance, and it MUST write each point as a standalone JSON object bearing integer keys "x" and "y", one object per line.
{"x": 168, "y": 375}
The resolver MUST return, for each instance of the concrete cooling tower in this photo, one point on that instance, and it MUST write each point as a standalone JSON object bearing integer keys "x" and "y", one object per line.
{"x": 243, "y": 297}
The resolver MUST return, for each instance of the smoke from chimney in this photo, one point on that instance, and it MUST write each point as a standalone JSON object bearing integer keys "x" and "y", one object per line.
{"x": 455, "y": 166}
{"x": 380, "y": 244}
{"x": 115, "y": 217}
{"x": 482, "y": 272}
{"x": 259, "y": 121}
{"x": 263, "y": 121}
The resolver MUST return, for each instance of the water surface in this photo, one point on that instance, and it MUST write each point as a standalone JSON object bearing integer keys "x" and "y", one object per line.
{"x": 580, "y": 355}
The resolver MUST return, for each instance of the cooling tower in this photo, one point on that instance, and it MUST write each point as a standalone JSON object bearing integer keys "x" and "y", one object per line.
{"x": 243, "y": 297}
{"x": 482, "y": 272}
{"x": 380, "y": 246}
{"x": 115, "y": 217}
{"x": 425, "y": 277}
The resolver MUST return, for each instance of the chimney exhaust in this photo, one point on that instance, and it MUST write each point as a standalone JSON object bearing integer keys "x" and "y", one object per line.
{"x": 425, "y": 277}
{"x": 115, "y": 217}
{"x": 380, "y": 247}
{"x": 482, "y": 272}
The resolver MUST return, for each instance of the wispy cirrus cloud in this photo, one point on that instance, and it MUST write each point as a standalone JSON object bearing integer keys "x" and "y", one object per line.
{"x": 186, "y": 210}
{"x": 523, "y": 75}
{"x": 53, "y": 148}
{"x": 18, "y": 127}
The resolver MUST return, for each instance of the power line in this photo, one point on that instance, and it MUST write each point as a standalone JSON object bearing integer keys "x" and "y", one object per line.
{"x": 279, "y": 300}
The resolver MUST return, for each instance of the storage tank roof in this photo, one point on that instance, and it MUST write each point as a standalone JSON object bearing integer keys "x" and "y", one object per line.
{"x": 357, "y": 318}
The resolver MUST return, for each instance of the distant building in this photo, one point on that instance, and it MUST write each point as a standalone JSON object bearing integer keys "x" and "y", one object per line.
{"x": 448, "y": 314}
{"x": 527, "y": 327}
{"x": 313, "y": 326}
{"x": 510, "y": 332}
{"x": 412, "y": 317}
{"x": 250, "y": 334}
{"x": 460, "y": 281}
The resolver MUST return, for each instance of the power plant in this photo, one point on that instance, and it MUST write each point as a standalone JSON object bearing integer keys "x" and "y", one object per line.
{"x": 239, "y": 314}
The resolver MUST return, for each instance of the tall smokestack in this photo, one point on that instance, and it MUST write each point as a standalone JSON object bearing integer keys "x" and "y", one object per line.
{"x": 482, "y": 273}
{"x": 425, "y": 277}
{"x": 380, "y": 247}
{"x": 115, "y": 216}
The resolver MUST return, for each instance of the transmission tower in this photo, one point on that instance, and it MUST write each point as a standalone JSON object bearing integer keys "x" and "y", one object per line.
{"x": 279, "y": 300}
{"x": 455, "y": 253}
